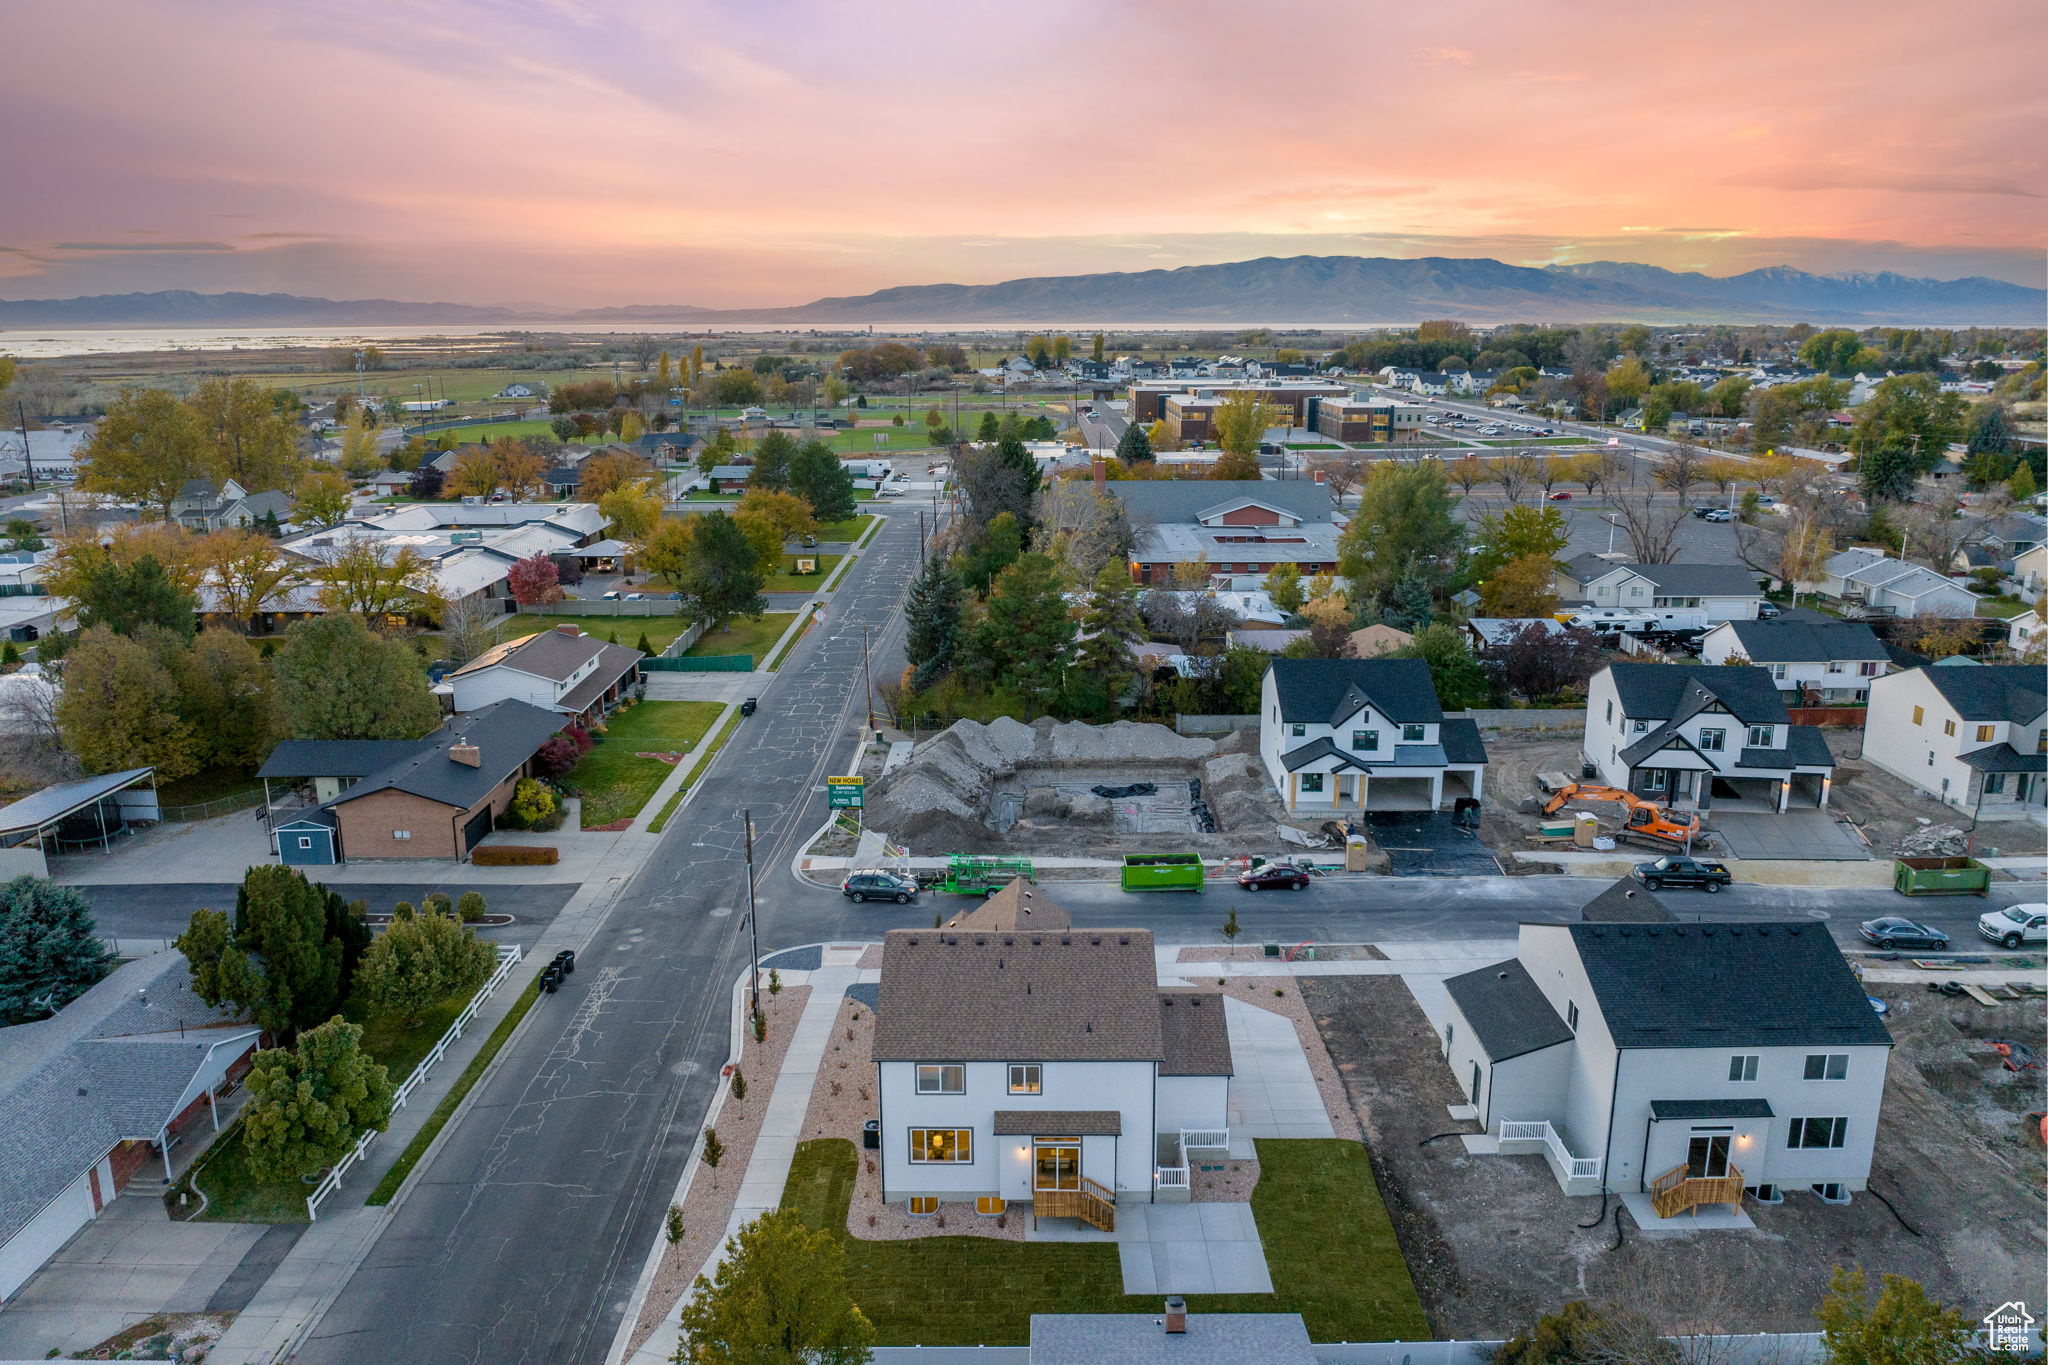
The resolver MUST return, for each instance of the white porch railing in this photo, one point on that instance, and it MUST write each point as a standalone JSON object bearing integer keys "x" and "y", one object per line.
{"x": 508, "y": 956}
{"x": 1204, "y": 1138}
{"x": 1170, "y": 1177}
{"x": 1539, "y": 1130}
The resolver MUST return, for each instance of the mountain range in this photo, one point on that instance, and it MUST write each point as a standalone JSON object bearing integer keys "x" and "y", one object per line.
{"x": 1296, "y": 290}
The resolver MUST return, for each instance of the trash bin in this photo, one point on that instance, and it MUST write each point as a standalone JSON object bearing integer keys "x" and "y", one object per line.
{"x": 871, "y": 1135}
{"x": 1272, "y": 950}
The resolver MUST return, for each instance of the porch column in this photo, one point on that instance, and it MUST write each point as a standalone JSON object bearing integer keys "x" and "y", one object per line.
{"x": 1827, "y": 784}
{"x": 163, "y": 1145}
{"x": 213, "y": 1108}
{"x": 1436, "y": 790}
{"x": 1363, "y": 778}
{"x": 1784, "y": 794}
{"x": 1293, "y": 788}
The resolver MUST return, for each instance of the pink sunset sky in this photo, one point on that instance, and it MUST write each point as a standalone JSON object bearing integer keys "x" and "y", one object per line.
{"x": 770, "y": 151}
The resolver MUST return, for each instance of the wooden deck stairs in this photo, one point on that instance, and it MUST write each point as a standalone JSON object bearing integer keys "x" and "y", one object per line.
{"x": 1675, "y": 1192}
{"x": 1092, "y": 1204}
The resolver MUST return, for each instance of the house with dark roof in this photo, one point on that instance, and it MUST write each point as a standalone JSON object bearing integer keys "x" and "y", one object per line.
{"x": 1677, "y": 1065}
{"x": 1343, "y": 735}
{"x": 1971, "y": 737}
{"x": 562, "y": 669}
{"x": 1021, "y": 1060}
{"x": 1679, "y": 596}
{"x": 121, "y": 1084}
{"x": 1704, "y": 737}
{"x": 1832, "y": 662}
{"x": 1235, "y": 526}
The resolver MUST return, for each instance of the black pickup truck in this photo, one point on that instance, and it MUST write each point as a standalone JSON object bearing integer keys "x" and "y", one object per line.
{"x": 1682, "y": 872}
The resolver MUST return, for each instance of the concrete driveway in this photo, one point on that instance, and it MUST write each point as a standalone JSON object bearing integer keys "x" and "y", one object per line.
{"x": 1813, "y": 834}
{"x": 131, "y": 1263}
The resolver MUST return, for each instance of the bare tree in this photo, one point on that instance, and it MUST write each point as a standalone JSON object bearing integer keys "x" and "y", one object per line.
{"x": 1340, "y": 475}
{"x": 1513, "y": 473}
{"x": 1652, "y": 526}
{"x": 31, "y": 744}
{"x": 1683, "y": 468}
{"x": 1548, "y": 472}
{"x": 1938, "y": 531}
{"x": 469, "y": 627}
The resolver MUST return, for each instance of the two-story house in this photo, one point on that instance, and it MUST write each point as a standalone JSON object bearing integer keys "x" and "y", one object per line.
{"x": 1972, "y": 736}
{"x": 562, "y": 669}
{"x": 1020, "y": 1059}
{"x": 1343, "y": 735}
{"x": 1834, "y": 661}
{"x": 1870, "y": 582}
{"x": 1680, "y": 596}
{"x": 1677, "y": 1065}
{"x": 1698, "y": 735}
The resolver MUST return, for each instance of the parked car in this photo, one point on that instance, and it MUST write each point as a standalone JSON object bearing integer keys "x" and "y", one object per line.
{"x": 611, "y": 596}
{"x": 874, "y": 884}
{"x": 1768, "y": 611}
{"x": 1560, "y": 496}
{"x": 1720, "y": 514}
{"x": 1703, "y": 509}
{"x": 1273, "y": 877}
{"x": 748, "y": 706}
{"x": 2015, "y": 926}
{"x": 1896, "y": 931}
{"x": 1709, "y": 877}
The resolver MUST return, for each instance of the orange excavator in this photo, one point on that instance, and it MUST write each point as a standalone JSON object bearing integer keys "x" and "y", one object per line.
{"x": 1645, "y": 819}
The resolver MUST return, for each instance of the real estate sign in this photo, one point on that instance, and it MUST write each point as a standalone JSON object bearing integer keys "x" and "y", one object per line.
{"x": 845, "y": 793}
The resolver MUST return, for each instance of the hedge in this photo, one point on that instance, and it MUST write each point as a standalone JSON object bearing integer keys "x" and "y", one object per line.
{"x": 514, "y": 855}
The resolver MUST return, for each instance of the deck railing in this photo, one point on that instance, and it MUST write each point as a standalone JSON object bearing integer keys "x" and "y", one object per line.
{"x": 1675, "y": 1192}
{"x": 1540, "y": 1130}
{"x": 1170, "y": 1177}
{"x": 1205, "y": 1138}
{"x": 1092, "y": 1204}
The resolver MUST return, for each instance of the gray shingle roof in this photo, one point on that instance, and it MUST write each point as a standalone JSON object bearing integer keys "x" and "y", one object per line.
{"x": 1059, "y": 1123}
{"x": 1506, "y": 1010}
{"x": 1753, "y": 1108}
{"x": 1701, "y": 580}
{"x": 1330, "y": 691}
{"x": 506, "y": 733}
{"x": 1172, "y": 500}
{"x": 1461, "y": 741}
{"x": 1192, "y": 1027}
{"x": 2003, "y": 758}
{"x": 1724, "y": 985}
{"x": 1801, "y": 642}
{"x": 1018, "y": 906}
{"x": 1676, "y": 691}
{"x": 553, "y": 654}
{"x": 1805, "y": 747}
{"x": 1626, "y": 902}
{"x": 2010, "y": 692}
{"x": 337, "y": 757}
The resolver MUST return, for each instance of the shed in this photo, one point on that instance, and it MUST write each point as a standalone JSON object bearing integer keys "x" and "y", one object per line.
{"x": 309, "y": 841}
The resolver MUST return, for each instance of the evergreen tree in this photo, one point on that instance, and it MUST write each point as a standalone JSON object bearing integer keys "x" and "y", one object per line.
{"x": 348, "y": 923}
{"x": 717, "y": 573}
{"x": 1888, "y": 474}
{"x": 1134, "y": 447}
{"x": 1027, "y": 637}
{"x": 127, "y": 597}
{"x": 1991, "y": 432}
{"x": 772, "y": 456}
{"x": 1011, "y": 453}
{"x": 1109, "y": 624}
{"x": 277, "y": 960}
{"x": 310, "y": 1103}
{"x": 1460, "y": 681}
{"x": 421, "y": 960}
{"x": 50, "y": 950}
{"x": 932, "y": 623}
{"x": 990, "y": 428}
{"x": 819, "y": 477}
{"x": 1411, "y": 607}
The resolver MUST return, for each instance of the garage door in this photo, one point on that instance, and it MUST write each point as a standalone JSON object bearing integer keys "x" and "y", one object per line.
{"x": 475, "y": 829}
{"x": 44, "y": 1236}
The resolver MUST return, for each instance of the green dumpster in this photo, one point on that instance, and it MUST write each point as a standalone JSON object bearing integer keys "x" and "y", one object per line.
{"x": 1940, "y": 877}
{"x": 1162, "y": 872}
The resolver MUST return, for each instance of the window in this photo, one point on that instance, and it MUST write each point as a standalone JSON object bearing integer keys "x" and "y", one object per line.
{"x": 942, "y": 1079}
{"x": 1298, "y": 731}
{"x": 1025, "y": 1080}
{"x": 1760, "y": 736}
{"x": 1610, "y": 710}
{"x": 1866, "y": 670}
{"x": 947, "y": 1145}
{"x": 1948, "y": 727}
{"x": 1654, "y": 779}
{"x": 1713, "y": 741}
{"x": 401, "y": 834}
{"x": 988, "y": 1205}
{"x": 305, "y": 842}
{"x": 1985, "y": 732}
{"x": 1818, "y": 1132}
{"x": 1412, "y": 734}
{"x": 1311, "y": 782}
{"x": 1827, "y": 1066}
{"x": 1778, "y": 672}
{"x": 923, "y": 1205}
{"x": 1640, "y": 726}
{"x": 1571, "y": 1016}
{"x": 1742, "y": 1068}
{"x": 1919, "y": 714}
{"x": 1834, "y": 665}
{"x": 1365, "y": 739}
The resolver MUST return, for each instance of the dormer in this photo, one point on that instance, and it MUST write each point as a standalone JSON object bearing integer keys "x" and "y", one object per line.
{"x": 1246, "y": 511}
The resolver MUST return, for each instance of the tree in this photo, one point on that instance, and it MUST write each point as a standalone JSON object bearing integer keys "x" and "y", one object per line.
{"x": 713, "y": 568}
{"x": 227, "y": 699}
{"x": 359, "y": 458}
{"x": 789, "y": 514}
{"x": 819, "y": 477}
{"x": 50, "y": 949}
{"x": 780, "y": 1293}
{"x": 603, "y": 472}
{"x": 1514, "y": 472}
{"x": 374, "y": 578}
{"x": 1628, "y": 382}
{"x": 1329, "y": 627}
{"x": 1405, "y": 524}
{"x": 145, "y": 449}
{"x": 533, "y": 581}
{"x": 1468, "y": 472}
{"x": 1535, "y": 660}
{"x": 932, "y": 623}
{"x": 772, "y": 455}
{"x": 2022, "y": 485}
{"x": 246, "y": 573}
{"x": 1026, "y": 636}
{"x": 632, "y": 510}
{"x": 735, "y": 389}
{"x": 1651, "y": 525}
{"x": 1937, "y": 637}
{"x": 1519, "y": 588}
{"x": 337, "y": 679}
{"x": 1240, "y": 423}
{"x": 1903, "y": 1326}
{"x": 1889, "y": 473}
{"x": 1011, "y": 454}
{"x": 1283, "y": 585}
{"x": 1231, "y": 928}
{"x": 126, "y": 598}
{"x": 310, "y": 1103}
{"x": 277, "y": 958}
{"x": 1133, "y": 447}
{"x": 243, "y": 435}
{"x": 420, "y": 960}
{"x": 323, "y": 498}
{"x": 1681, "y": 469}
{"x": 1340, "y": 475}
{"x": 1460, "y": 681}
{"x": 1580, "y": 1334}
{"x": 1517, "y": 533}
{"x": 1109, "y": 624}
{"x": 428, "y": 483}
{"x": 119, "y": 707}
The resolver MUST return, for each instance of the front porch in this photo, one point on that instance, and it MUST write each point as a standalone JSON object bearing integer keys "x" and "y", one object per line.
{"x": 1345, "y": 790}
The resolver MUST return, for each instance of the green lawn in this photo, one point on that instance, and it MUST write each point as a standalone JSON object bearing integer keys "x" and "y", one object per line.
{"x": 1329, "y": 1245}
{"x": 468, "y": 435}
{"x": 791, "y": 581}
{"x": 845, "y": 531}
{"x": 2004, "y": 608}
{"x": 702, "y": 760}
{"x": 659, "y": 630}
{"x": 614, "y": 779}
{"x": 754, "y": 635}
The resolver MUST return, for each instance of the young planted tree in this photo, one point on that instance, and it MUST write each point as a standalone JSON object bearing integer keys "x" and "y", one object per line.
{"x": 1231, "y": 928}
{"x": 713, "y": 1153}
{"x": 50, "y": 949}
{"x": 308, "y": 1104}
{"x": 421, "y": 960}
{"x": 780, "y": 1293}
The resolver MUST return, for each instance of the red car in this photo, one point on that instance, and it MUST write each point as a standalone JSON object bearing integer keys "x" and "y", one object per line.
{"x": 1273, "y": 876}
{"x": 1560, "y": 496}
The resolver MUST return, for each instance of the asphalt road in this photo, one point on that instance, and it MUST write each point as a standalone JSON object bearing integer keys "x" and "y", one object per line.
{"x": 522, "y": 1239}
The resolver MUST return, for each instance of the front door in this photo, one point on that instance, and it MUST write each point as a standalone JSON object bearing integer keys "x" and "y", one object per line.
{"x": 1706, "y": 1157}
{"x": 1056, "y": 1164}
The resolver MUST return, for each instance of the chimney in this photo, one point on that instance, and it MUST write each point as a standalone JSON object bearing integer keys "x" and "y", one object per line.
{"x": 466, "y": 753}
{"x": 1176, "y": 1315}
{"x": 571, "y": 631}
{"x": 1101, "y": 471}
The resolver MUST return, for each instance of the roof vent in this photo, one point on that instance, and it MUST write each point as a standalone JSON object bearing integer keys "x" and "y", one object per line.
{"x": 1096, "y": 941}
{"x": 1763, "y": 931}
{"x": 1088, "y": 1028}
{"x": 912, "y": 940}
{"x": 1124, "y": 940}
{"x": 1066, "y": 940}
{"x": 1502, "y": 975}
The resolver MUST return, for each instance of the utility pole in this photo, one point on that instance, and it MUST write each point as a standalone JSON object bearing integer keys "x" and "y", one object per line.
{"x": 362, "y": 394}
{"x": 920, "y": 537}
{"x": 28, "y": 465}
{"x": 753, "y": 928}
{"x": 866, "y": 682}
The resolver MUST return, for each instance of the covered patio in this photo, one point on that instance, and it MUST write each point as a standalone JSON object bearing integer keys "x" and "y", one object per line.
{"x": 72, "y": 816}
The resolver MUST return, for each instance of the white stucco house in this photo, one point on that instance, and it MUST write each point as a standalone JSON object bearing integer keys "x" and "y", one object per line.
{"x": 1698, "y": 736}
{"x": 1872, "y": 581}
{"x": 1972, "y": 736}
{"x": 2023, "y": 634}
{"x": 1021, "y": 1060}
{"x": 1680, "y": 596}
{"x": 561, "y": 669}
{"x": 1678, "y": 1065}
{"x": 1343, "y": 735}
{"x": 1836, "y": 660}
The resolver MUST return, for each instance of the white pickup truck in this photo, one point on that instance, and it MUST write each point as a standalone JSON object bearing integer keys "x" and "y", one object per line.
{"x": 2015, "y": 926}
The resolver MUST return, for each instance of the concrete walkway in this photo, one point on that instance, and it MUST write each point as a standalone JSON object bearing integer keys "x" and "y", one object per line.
{"x": 1273, "y": 1093}
{"x": 1209, "y": 1248}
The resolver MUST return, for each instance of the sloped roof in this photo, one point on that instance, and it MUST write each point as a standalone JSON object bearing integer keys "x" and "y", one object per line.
{"x": 553, "y": 654}
{"x": 1184, "y": 500}
{"x": 1799, "y": 642}
{"x": 1700, "y": 580}
{"x": 1329, "y": 691}
{"x": 1628, "y": 901}
{"x": 1018, "y": 906}
{"x": 60, "y": 799}
{"x": 506, "y": 733}
{"x": 1677, "y": 691}
{"x": 1724, "y": 985}
{"x": 1193, "y": 1030}
{"x": 1507, "y": 1012}
{"x": 2009, "y": 692}
{"x": 337, "y": 757}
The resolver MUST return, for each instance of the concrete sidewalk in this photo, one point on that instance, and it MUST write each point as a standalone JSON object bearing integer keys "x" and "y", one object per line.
{"x": 1273, "y": 1094}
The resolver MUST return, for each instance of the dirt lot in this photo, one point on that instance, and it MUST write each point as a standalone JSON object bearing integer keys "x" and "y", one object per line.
{"x": 1887, "y": 809}
{"x": 1493, "y": 1243}
{"x": 1513, "y": 758}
